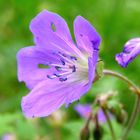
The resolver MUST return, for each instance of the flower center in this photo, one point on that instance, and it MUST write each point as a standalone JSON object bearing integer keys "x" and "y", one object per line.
{"x": 69, "y": 66}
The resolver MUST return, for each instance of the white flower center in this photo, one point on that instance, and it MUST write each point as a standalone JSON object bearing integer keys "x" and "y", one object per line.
{"x": 70, "y": 67}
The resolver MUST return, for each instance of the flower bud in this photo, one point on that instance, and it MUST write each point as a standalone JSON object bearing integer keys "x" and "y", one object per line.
{"x": 122, "y": 117}
{"x": 117, "y": 110}
{"x": 85, "y": 133}
{"x": 98, "y": 133}
{"x": 114, "y": 107}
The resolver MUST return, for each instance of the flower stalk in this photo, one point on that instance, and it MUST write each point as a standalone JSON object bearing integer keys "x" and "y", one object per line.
{"x": 123, "y": 78}
{"x": 109, "y": 124}
{"x": 132, "y": 119}
{"x": 85, "y": 132}
{"x": 136, "y": 108}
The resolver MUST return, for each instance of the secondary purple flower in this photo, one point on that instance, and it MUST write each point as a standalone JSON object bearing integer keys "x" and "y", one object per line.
{"x": 130, "y": 51}
{"x": 8, "y": 136}
{"x": 85, "y": 110}
{"x": 70, "y": 68}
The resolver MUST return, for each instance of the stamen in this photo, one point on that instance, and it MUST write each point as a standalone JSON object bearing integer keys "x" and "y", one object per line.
{"x": 63, "y": 62}
{"x": 51, "y": 77}
{"x": 58, "y": 68}
{"x": 65, "y": 68}
{"x": 62, "y": 54}
{"x": 67, "y": 58}
{"x": 62, "y": 79}
{"x": 73, "y": 68}
{"x": 77, "y": 51}
{"x": 65, "y": 73}
{"x": 57, "y": 75}
{"x": 73, "y": 58}
{"x": 56, "y": 65}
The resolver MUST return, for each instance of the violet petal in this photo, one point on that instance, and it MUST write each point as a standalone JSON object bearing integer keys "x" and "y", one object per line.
{"x": 131, "y": 50}
{"x": 86, "y": 36}
{"x": 47, "y": 97}
{"x": 28, "y": 60}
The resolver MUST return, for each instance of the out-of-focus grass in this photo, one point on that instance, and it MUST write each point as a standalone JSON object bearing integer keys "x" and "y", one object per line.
{"x": 115, "y": 20}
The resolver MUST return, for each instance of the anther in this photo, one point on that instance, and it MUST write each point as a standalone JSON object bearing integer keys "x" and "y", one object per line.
{"x": 73, "y": 68}
{"x": 50, "y": 77}
{"x": 58, "y": 68}
{"x": 62, "y": 79}
{"x": 63, "y": 62}
{"x": 73, "y": 58}
{"x": 62, "y": 54}
{"x": 57, "y": 75}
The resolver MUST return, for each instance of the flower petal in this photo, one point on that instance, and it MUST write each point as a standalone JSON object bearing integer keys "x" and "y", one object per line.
{"x": 84, "y": 110}
{"x": 86, "y": 36}
{"x": 92, "y": 61}
{"x": 28, "y": 60}
{"x": 77, "y": 91}
{"x": 131, "y": 50}
{"x": 56, "y": 40}
{"x": 101, "y": 116}
{"x": 48, "y": 96}
{"x": 48, "y": 21}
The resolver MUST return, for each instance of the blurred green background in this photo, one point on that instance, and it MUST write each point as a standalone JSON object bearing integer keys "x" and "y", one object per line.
{"x": 116, "y": 20}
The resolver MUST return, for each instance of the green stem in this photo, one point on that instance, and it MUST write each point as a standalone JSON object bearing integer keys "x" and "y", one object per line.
{"x": 125, "y": 79}
{"x": 136, "y": 108}
{"x": 132, "y": 119}
{"x": 109, "y": 124}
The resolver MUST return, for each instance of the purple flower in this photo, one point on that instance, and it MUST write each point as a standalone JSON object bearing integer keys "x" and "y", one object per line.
{"x": 130, "y": 51}
{"x": 55, "y": 69}
{"x": 101, "y": 116}
{"x": 9, "y": 136}
{"x": 85, "y": 110}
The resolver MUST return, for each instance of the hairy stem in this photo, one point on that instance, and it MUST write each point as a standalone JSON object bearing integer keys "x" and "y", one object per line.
{"x": 136, "y": 108}
{"x": 109, "y": 124}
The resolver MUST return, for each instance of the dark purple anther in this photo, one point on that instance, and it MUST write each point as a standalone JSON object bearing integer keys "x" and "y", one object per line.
{"x": 58, "y": 68}
{"x": 62, "y": 79}
{"x": 73, "y": 68}
{"x": 63, "y": 62}
{"x": 73, "y": 58}
{"x": 57, "y": 75}
{"x": 64, "y": 55}
{"x": 48, "y": 76}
